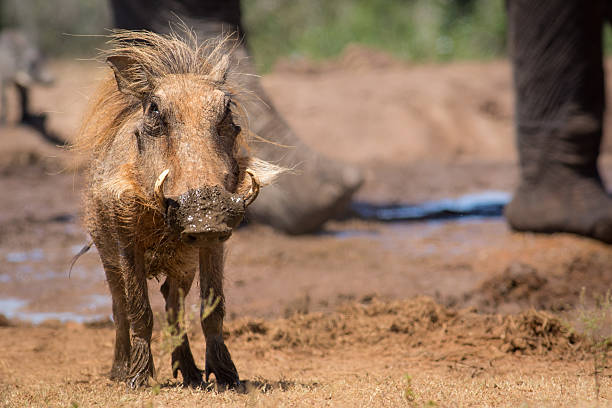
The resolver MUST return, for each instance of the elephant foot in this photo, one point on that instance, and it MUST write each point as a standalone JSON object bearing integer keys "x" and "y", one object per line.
{"x": 302, "y": 202}
{"x": 141, "y": 364}
{"x": 219, "y": 362}
{"x": 182, "y": 360}
{"x": 575, "y": 203}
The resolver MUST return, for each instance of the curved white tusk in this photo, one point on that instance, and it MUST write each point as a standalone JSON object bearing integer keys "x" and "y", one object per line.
{"x": 159, "y": 189}
{"x": 254, "y": 191}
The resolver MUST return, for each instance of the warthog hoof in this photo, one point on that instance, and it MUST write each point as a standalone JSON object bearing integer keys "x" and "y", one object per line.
{"x": 141, "y": 367}
{"x": 119, "y": 371}
{"x": 182, "y": 360}
{"x": 219, "y": 362}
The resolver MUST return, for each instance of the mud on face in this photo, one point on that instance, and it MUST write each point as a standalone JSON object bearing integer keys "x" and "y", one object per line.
{"x": 205, "y": 216}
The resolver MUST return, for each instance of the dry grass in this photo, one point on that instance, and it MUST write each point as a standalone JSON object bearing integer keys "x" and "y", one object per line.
{"x": 354, "y": 357}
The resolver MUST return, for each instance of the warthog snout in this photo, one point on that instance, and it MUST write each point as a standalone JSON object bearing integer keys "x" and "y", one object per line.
{"x": 205, "y": 215}
{"x": 207, "y": 237}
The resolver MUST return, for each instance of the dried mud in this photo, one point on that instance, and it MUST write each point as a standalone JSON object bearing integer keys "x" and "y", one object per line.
{"x": 522, "y": 286}
{"x": 463, "y": 312}
{"x": 414, "y": 322}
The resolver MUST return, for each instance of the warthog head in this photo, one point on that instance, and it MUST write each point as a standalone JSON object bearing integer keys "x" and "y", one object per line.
{"x": 188, "y": 144}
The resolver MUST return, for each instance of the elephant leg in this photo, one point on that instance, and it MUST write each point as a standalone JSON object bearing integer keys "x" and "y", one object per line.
{"x": 218, "y": 359}
{"x": 175, "y": 291}
{"x": 296, "y": 203}
{"x": 322, "y": 188}
{"x": 556, "y": 50}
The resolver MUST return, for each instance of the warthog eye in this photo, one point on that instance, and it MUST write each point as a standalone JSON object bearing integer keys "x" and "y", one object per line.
{"x": 227, "y": 123}
{"x": 153, "y": 123}
{"x": 153, "y": 109}
{"x": 227, "y": 112}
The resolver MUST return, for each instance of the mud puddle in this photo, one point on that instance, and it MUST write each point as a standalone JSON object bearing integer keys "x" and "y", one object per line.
{"x": 16, "y": 309}
{"x": 484, "y": 204}
{"x": 403, "y": 226}
{"x": 450, "y": 253}
{"x": 35, "y": 284}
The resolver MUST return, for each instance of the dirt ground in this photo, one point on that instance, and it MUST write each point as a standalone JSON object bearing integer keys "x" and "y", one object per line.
{"x": 458, "y": 312}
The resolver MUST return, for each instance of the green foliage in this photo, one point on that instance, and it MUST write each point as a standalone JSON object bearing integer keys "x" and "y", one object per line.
{"x": 171, "y": 335}
{"x": 596, "y": 324}
{"x": 437, "y": 30}
{"x": 412, "y": 29}
{"x": 413, "y": 398}
{"x": 433, "y": 30}
{"x": 155, "y": 389}
{"x": 210, "y": 304}
{"x": 61, "y": 27}
{"x": 607, "y": 37}
{"x": 409, "y": 393}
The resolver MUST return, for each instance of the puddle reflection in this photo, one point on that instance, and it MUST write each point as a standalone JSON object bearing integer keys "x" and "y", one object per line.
{"x": 484, "y": 204}
{"x": 12, "y": 308}
{"x": 34, "y": 255}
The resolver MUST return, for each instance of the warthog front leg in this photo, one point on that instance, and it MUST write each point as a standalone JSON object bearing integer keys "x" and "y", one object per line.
{"x": 139, "y": 314}
{"x": 218, "y": 359}
{"x": 121, "y": 360}
{"x": 109, "y": 254}
{"x": 175, "y": 291}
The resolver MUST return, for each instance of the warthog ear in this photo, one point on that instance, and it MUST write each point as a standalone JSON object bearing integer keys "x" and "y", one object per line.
{"x": 132, "y": 78}
{"x": 219, "y": 71}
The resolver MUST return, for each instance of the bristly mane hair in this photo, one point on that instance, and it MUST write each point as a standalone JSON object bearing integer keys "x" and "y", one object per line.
{"x": 157, "y": 56}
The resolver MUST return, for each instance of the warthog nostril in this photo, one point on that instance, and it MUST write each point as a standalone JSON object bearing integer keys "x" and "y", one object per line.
{"x": 190, "y": 238}
{"x": 224, "y": 236}
{"x": 206, "y": 237}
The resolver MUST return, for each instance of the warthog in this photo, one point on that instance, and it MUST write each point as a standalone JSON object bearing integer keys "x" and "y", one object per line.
{"x": 170, "y": 177}
{"x": 21, "y": 64}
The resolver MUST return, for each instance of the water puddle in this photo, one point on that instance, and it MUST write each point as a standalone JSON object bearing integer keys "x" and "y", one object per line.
{"x": 37, "y": 277}
{"x": 481, "y": 205}
{"x": 34, "y": 255}
{"x": 426, "y": 229}
{"x": 12, "y": 308}
{"x": 414, "y": 230}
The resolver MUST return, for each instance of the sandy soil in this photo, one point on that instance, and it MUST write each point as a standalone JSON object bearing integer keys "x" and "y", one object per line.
{"x": 336, "y": 318}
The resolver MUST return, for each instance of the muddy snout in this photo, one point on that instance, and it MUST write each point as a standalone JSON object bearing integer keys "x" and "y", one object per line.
{"x": 205, "y": 216}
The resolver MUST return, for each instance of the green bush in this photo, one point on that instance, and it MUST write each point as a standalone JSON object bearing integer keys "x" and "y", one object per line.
{"x": 61, "y": 27}
{"x": 437, "y": 30}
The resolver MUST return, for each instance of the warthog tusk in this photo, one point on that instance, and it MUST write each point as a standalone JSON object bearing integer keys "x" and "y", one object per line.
{"x": 159, "y": 189}
{"x": 254, "y": 191}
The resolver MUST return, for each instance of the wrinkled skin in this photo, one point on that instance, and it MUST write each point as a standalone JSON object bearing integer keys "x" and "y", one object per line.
{"x": 180, "y": 126}
{"x": 297, "y": 203}
{"x": 21, "y": 64}
{"x": 556, "y": 49}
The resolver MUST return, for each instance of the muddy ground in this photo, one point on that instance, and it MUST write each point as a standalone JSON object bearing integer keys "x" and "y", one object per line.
{"x": 460, "y": 312}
